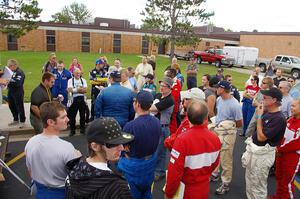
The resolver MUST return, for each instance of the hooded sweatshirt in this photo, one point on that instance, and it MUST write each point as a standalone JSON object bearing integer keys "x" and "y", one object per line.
{"x": 87, "y": 182}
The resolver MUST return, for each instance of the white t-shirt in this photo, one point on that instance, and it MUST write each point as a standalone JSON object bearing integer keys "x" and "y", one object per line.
{"x": 46, "y": 157}
{"x": 100, "y": 165}
{"x": 77, "y": 84}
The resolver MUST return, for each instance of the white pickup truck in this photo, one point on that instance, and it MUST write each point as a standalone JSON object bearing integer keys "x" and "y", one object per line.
{"x": 288, "y": 64}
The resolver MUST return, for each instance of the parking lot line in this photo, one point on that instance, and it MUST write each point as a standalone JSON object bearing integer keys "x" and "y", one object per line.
{"x": 15, "y": 159}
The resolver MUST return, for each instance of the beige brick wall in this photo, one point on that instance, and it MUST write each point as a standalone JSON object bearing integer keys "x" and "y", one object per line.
{"x": 34, "y": 40}
{"x": 271, "y": 45}
{"x": 131, "y": 44}
{"x": 103, "y": 41}
{"x": 67, "y": 41}
{"x": 3, "y": 41}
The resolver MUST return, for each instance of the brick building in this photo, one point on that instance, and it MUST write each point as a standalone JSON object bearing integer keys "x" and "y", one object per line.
{"x": 118, "y": 37}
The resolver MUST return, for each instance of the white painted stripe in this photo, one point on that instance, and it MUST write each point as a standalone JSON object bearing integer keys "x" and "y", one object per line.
{"x": 292, "y": 180}
{"x": 201, "y": 160}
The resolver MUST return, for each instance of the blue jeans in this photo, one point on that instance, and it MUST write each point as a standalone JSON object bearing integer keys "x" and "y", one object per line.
{"x": 248, "y": 111}
{"x": 191, "y": 82}
{"x": 44, "y": 192}
{"x": 139, "y": 174}
{"x": 162, "y": 153}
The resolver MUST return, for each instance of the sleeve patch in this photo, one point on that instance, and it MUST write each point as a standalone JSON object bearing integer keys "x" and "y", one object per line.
{"x": 175, "y": 153}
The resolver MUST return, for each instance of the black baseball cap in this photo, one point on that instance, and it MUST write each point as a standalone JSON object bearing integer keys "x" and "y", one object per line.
{"x": 150, "y": 76}
{"x": 106, "y": 130}
{"x": 224, "y": 84}
{"x": 116, "y": 75}
{"x": 273, "y": 92}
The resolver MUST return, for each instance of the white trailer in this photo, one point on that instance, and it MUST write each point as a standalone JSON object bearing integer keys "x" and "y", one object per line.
{"x": 244, "y": 56}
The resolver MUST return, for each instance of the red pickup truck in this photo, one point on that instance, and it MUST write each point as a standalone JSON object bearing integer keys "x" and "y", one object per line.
{"x": 212, "y": 55}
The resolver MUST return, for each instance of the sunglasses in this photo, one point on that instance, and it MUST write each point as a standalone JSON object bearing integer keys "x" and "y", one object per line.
{"x": 111, "y": 145}
{"x": 252, "y": 79}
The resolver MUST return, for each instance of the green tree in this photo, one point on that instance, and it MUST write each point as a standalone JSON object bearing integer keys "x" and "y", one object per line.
{"x": 77, "y": 13}
{"x": 62, "y": 17}
{"x": 174, "y": 19}
{"x": 19, "y": 16}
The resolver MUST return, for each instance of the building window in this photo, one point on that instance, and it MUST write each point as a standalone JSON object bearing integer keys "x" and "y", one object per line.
{"x": 117, "y": 43}
{"x": 12, "y": 42}
{"x": 145, "y": 45}
{"x": 50, "y": 38}
{"x": 207, "y": 43}
{"x": 85, "y": 42}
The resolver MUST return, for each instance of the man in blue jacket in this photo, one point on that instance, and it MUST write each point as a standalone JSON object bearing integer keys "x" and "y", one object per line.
{"x": 115, "y": 101}
{"x": 60, "y": 86}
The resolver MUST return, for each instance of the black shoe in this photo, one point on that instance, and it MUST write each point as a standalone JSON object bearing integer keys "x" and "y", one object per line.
{"x": 82, "y": 131}
{"x": 72, "y": 133}
{"x": 223, "y": 189}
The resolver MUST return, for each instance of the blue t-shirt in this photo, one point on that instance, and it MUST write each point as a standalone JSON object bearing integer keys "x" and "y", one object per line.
{"x": 146, "y": 130}
{"x": 229, "y": 109}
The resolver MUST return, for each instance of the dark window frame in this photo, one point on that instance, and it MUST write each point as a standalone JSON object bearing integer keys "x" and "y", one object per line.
{"x": 117, "y": 43}
{"x": 85, "y": 42}
{"x": 12, "y": 42}
{"x": 50, "y": 40}
{"x": 145, "y": 45}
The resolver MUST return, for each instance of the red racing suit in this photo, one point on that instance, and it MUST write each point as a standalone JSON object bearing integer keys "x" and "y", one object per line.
{"x": 288, "y": 160}
{"x": 194, "y": 157}
{"x": 176, "y": 88}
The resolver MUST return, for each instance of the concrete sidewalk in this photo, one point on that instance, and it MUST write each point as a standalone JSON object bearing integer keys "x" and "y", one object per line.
{"x": 6, "y": 117}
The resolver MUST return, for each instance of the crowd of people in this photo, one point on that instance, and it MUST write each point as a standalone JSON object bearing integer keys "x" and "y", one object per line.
{"x": 137, "y": 135}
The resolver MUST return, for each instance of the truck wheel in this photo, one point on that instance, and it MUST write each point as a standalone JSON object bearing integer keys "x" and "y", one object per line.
{"x": 209, "y": 63}
{"x": 263, "y": 67}
{"x": 296, "y": 73}
{"x": 199, "y": 60}
{"x": 218, "y": 63}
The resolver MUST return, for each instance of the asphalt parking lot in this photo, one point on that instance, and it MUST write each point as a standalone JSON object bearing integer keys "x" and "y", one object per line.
{"x": 12, "y": 189}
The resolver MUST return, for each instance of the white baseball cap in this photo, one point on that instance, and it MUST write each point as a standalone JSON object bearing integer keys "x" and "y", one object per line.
{"x": 193, "y": 93}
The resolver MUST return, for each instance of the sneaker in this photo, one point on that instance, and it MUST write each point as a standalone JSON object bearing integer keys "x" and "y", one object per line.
{"x": 223, "y": 188}
{"x": 214, "y": 178}
{"x": 13, "y": 123}
{"x": 22, "y": 125}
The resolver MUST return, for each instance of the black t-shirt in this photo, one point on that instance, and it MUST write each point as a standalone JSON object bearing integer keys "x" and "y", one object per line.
{"x": 40, "y": 95}
{"x": 274, "y": 125}
{"x": 165, "y": 107}
{"x": 278, "y": 80}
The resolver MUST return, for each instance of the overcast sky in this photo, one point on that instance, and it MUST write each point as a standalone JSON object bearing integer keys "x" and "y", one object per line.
{"x": 237, "y": 15}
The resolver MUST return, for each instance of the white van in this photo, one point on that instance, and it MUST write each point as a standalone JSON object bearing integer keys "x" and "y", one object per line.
{"x": 244, "y": 56}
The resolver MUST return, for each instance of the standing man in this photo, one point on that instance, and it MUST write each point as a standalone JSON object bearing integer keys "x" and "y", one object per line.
{"x": 260, "y": 150}
{"x": 47, "y": 154}
{"x": 115, "y": 101}
{"x": 77, "y": 86}
{"x": 138, "y": 163}
{"x": 162, "y": 107}
{"x": 98, "y": 78}
{"x": 141, "y": 71}
{"x": 191, "y": 74}
{"x": 16, "y": 93}
{"x": 60, "y": 86}
{"x": 40, "y": 95}
{"x": 186, "y": 97}
{"x": 288, "y": 155}
{"x": 285, "y": 108}
{"x": 229, "y": 117}
{"x": 234, "y": 90}
{"x": 278, "y": 77}
{"x": 191, "y": 163}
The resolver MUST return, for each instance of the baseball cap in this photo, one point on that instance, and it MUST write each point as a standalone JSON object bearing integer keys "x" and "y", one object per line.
{"x": 193, "y": 93}
{"x": 213, "y": 82}
{"x": 224, "y": 84}
{"x": 273, "y": 92}
{"x": 167, "y": 80}
{"x": 144, "y": 97}
{"x": 150, "y": 76}
{"x": 106, "y": 130}
{"x": 99, "y": 61}
{"x": 115, "y": 74}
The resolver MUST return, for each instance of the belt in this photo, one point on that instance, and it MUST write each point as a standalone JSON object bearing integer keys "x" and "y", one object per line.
{"x": 164, "y": 125}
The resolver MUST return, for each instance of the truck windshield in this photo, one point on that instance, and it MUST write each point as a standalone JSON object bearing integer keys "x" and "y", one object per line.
{"x": 295, "y": 60}
{"x": 220, "y": 52}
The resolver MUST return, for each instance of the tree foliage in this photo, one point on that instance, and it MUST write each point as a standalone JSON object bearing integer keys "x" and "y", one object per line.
{"x": 77, "y": 13}
{"x": 174, "y": 19}
{"x": 19, "y": 16}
